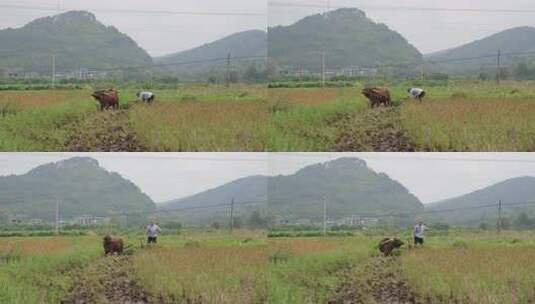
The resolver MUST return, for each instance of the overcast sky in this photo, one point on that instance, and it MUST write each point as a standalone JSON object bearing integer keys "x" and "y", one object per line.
{"x": 166, "y": 176}
{"x": 429, "y": 176}
{"x": 158, "y": 33}
{"x": 429, "y": 31}
{"x": 162, "y": 176}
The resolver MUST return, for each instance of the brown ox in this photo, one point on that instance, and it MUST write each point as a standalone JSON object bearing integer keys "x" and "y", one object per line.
{"x": 387, "y": 245}
{"x": 378, "y": 96}
{"x": 107, "y": 98}
{"x": 112, "y": 245}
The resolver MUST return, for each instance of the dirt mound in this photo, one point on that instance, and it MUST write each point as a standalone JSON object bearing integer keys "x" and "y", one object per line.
{"x": 107, "y": 281}
{"x": 378, "y": 281}
{"x": 106, "y": 131}
{"x": 377, "y": 130}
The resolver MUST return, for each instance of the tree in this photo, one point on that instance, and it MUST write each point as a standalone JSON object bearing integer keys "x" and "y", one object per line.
{"x": 256, "y": 220}
{"x": 251, "y": 74}
{"x": 524, "y": 222}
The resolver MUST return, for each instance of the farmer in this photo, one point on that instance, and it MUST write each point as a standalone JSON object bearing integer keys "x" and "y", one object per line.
{"x": 416, "y": 93}
{"x": 145, "y": 96}
{"x": 418, "y": 232}
{"x": 152, "y": 232}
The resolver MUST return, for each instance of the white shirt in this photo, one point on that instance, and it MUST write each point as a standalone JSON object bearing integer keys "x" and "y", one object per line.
{"x": 416, "y": 92}
{"x": 145, "y": 95}
{"x": 419, "y": 231}
{"x": 153, "y": 230}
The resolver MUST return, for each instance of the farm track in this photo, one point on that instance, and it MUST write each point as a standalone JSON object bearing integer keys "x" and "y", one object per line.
{"x": 374, "y": 130}
{"x": 378, "y": 281}
{"x": 106, "y": 131}
{"x": 107, "y": 281}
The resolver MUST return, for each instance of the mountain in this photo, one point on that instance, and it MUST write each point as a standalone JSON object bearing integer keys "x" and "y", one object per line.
{"x": 515, "y": 40}
{"x": 346, "y": 35}
{"x": 251, "y": 43}
{"x": 80, "y": 185}
{"x": 78, "y": 41}
{"x": 350, "y": 187}
{"x": 511, "y": 191}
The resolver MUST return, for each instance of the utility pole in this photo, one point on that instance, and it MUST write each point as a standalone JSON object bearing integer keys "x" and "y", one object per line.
{"x": 228, "y": 71}
{"x": 423, "y": 72}
{"x": 498, "y": 67}
{"x": 231, "y": 215}
{"x": 57, "y": 217}
{"x": 324, "y": 215}
{"x": 53, "y": 58}
{"x": 499, "y": 225}
{"x": 323, "y": 68}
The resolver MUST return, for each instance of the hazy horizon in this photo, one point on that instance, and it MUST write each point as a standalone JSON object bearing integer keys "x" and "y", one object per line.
{"x": 161, "y": 27}
{"x": 168, "y": 176}
{"x": 422, "y": 22}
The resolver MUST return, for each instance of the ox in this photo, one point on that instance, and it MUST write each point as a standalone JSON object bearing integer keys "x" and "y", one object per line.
{"x": 387, "y": 245}
{"x": 112, "y": 245}
{"x": 378, "y": 96}
{"x": 107, "y": 98}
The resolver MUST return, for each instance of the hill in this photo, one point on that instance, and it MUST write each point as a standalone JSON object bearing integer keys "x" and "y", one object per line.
{"x": 511, "y": 191}
{"x": 350, "y": 187}
{"x": 77, "y": 39}
{"x": 348, "y": 37}
{"x": 251, "y": 43}
{"x": 515, "y": 40}
{"x": 81, "y": 186}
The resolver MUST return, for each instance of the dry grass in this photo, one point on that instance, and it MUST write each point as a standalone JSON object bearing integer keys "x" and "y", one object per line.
{"x": 204, "y": 274}
{"x": 298, "y": 247}
{"x": 35, "y": 246}
{"x": 471, "y": 125}
{"x": 473, "y": 275}
{"x": 32, "y": 99}
{"x": 202, "y": 126}
{"x": 304, "y": 97}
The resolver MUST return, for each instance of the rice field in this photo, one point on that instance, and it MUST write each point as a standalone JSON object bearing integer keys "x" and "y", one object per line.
{"x": 459, "y": 116}
{"x": 188, "y": 118}
{"x": 247, "y": 267}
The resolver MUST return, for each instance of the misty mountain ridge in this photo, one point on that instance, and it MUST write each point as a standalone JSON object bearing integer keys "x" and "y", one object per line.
{"x": 77, "y": 39}
{"x": 513, "y": 40}
{"x": 348, "y": 184}
{"x": 510, "y": 191}
{"x": 80, "y": 185}
{"x": 246, "y": 49}
{"x": 346, "y": 35}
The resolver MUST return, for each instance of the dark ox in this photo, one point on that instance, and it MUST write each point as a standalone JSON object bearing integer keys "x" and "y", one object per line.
{"x": 107, "y": 98}
{"x": 387, "y": 245}
{"x": 112, "y": 245}
{"x": 378, "y": 96}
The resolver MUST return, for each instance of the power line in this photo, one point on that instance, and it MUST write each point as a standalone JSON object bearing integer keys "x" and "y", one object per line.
{"x": 406, "y": 8}
{"x": 132, "y": 11}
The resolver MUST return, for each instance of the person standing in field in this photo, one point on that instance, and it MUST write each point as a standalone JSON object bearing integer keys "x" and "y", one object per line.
{"x": 416, "y": 93}
{"x": 418, "y": 232}
{"x": 152, "y": 232}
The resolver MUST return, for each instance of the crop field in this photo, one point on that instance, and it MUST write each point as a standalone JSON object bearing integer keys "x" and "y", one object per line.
{"x": 247, "y": 267}
{"x": 453, "y": 117}
{"x": 188, "y": 118}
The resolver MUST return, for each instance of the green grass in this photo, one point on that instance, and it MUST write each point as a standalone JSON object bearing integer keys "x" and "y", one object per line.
{"x": 455, "y": 116}
{"x": 39, "y": 276}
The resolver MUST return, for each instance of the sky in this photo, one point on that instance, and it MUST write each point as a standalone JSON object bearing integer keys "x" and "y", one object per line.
{"x": 429, "y": 31}
{"x": 166, "y": 176}
{"x": 158, "y": 33}
{"x": 429, "y": 176}
{"x": 162, "y": 176}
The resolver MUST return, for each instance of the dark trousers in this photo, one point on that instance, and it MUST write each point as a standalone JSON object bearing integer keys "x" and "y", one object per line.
{"x": 418, "y": 241}
{"x": 151, "y": 239}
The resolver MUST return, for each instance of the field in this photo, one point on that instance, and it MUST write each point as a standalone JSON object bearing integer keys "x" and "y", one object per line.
{"x": 455, "y": 116}
{"x": 188, "y": 118}
{"x": 247, "y": 267}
